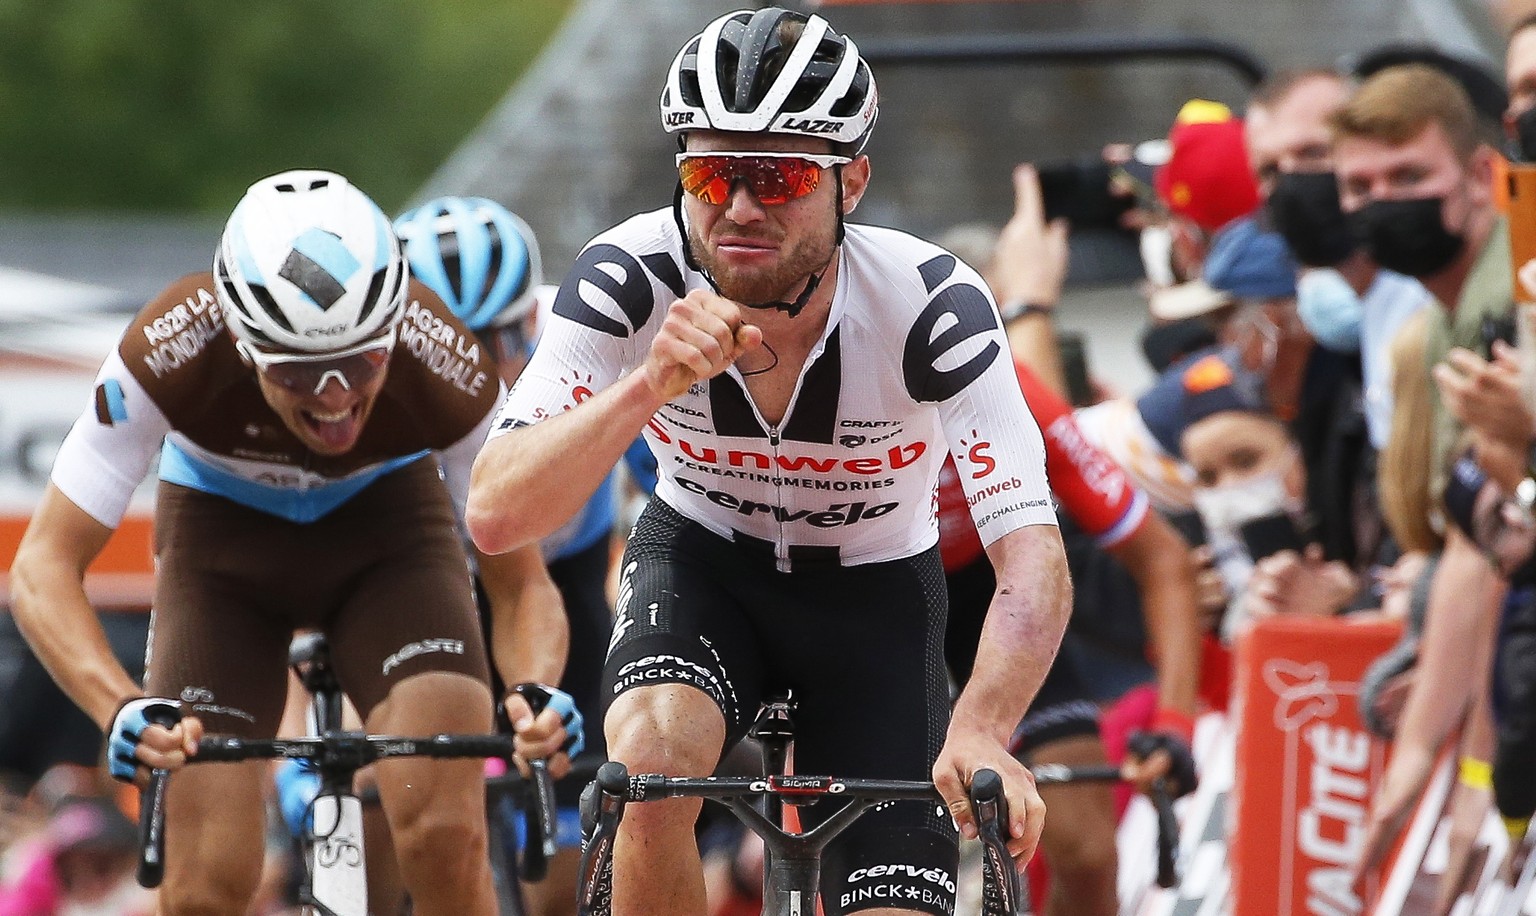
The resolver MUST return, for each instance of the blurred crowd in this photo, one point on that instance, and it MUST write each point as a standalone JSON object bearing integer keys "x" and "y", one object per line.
{"x": 1342, "y": 420}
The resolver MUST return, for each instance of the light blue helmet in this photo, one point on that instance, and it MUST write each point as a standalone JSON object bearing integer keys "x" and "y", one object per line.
{"x": 477, "y": 255}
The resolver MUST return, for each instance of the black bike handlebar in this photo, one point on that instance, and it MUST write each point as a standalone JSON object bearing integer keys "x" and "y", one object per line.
{"x": 1003, "y": 888}
{"x": 349, "y": 748}
{"x": 348, "y": 751}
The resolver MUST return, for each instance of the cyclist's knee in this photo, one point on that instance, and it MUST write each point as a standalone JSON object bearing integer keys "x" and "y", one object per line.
{"x": 436, "y": 701}
{"x": 423, "y": 833}
{"x": 1082, "y": 855}
{"x": 669, "y": 728}
{"x": 227, "y": 888}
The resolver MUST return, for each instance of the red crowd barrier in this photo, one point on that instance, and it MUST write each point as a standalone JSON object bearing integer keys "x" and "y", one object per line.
{"x": 1306, "y": 767}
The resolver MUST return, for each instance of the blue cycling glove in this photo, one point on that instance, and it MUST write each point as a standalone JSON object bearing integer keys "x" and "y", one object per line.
{"x": 128, "y": 727}
{"x": 297, "y": 785}
{"x": 542, "y": 696}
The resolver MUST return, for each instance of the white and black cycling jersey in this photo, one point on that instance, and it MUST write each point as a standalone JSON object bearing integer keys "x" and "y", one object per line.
{"x": 912, "y": 366}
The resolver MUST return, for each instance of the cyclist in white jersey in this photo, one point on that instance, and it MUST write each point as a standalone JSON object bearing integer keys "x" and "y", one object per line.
{"x": 801, "y": 382}
{"x": 319, "y": 411}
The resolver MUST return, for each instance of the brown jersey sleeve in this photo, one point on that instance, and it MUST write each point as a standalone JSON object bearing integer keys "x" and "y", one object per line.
{"x": 440, "y": 375}
{"x": 177, "y": 348}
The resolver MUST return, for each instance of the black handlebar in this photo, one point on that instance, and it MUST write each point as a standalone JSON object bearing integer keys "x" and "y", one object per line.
{"x": 1002, "y": 890}
{"x": 151, "y": 870}
{"x": 346, "y": 752}
{"x": 603, "y": 806}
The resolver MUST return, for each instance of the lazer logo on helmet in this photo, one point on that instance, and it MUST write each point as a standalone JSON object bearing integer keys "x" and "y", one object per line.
{"x": 837, "y": 515}
{"x": 812, "y": 125}
{"x": 331, "y": 331}
{"x": 679, "y": 118}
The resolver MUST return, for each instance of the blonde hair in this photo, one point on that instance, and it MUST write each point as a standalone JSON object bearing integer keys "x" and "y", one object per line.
{"x": 1397, "y": 103}
{"x": 1404, "y": 465}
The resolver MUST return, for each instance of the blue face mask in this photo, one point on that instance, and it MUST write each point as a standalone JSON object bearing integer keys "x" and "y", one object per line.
{"x": 1330, "y": 309}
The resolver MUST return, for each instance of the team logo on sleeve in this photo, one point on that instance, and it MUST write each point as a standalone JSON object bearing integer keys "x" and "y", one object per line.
{"x": 938, "y": 366}
{"x": 111, "y": 408}
{"x": 606, "y": 281}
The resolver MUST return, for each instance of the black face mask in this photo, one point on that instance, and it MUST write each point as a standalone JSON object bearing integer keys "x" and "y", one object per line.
{"x": 1304, "y": 209}
{"x": 1408, "y": 236}
{"x": 1525, "y": 136}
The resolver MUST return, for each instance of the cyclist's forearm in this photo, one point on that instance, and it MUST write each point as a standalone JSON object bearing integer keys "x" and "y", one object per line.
{"x": 530, "y": 633}
{"x": 50, "y": 607}
{"x": 1158, "y": 559}
{"x": 1022, "y": 632}
{"x": 527, "y": 483}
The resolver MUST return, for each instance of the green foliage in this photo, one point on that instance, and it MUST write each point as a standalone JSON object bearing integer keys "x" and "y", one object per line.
{"x": 178, "y": 105}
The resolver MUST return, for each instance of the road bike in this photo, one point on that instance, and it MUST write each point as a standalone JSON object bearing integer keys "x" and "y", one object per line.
{"x": 335, "y": 879}
{"x": 792, "y": 859}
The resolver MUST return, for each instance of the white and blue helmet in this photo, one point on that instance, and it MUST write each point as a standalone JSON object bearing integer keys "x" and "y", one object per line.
{"x": 308, "y": 263}
{"x": 480, "y": 257}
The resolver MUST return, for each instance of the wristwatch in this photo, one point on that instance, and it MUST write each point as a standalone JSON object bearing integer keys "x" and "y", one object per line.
{"x": 1018, "y": 308}
{"x": 1525, "y": 497}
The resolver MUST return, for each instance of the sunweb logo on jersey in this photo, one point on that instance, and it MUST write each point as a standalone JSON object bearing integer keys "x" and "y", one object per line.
{"x": 320, "y": 265}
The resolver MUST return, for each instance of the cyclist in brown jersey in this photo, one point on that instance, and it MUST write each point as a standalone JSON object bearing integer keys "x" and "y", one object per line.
{"x": 295, "y": 398}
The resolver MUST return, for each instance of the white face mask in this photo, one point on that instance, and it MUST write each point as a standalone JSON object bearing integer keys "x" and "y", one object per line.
{"x": 1227, "y": 508}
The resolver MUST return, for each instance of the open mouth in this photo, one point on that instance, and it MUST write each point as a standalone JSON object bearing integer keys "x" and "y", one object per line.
{"x": 336, "y": 429}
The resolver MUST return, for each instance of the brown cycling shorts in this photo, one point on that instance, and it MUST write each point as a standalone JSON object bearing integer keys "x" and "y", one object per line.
{"x": 384, "y": 576}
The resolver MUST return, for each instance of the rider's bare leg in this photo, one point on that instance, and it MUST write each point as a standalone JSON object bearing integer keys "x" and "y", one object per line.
{"x": 436, "y": 808}
{"x": 677, "y": 730}
{"x": 1079, "y": 839}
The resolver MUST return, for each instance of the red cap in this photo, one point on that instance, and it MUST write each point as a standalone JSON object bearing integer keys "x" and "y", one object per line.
{"x": 1206, "y": 178}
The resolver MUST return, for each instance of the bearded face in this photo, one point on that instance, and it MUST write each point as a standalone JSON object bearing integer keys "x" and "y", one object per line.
{"x": 800, "y": 248}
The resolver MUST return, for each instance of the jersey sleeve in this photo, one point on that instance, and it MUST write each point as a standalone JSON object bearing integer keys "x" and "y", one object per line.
{"x": 1090, "y": 487}
{"x": 602, "y": 320}
{"x": 956, "y": 355}
{"x": 111, "y": 446}
{"x": 458, "y": 459}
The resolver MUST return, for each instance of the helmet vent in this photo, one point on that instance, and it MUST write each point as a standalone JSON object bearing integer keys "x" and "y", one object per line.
{"x": 374, "y": 288}
{"x": 269, "y": 305}
{"x": 853, "y": 99}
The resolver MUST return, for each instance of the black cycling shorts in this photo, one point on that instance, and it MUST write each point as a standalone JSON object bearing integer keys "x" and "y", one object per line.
{"x": 860, "y": 647}
{"x": 1064, "y": 706}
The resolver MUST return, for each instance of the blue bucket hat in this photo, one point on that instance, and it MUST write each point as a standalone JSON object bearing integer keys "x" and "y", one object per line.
{"x": 1251, "y": 262}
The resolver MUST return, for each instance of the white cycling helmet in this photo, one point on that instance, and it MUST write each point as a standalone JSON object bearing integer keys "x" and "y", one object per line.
{"x": 309, "y": 263}
{"x": 772, "y": 70}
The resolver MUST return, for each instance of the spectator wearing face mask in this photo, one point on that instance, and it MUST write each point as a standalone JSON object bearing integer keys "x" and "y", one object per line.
{"x": 1416, "y": 182}
{"x": 1316, "y": 391}
{"x": 1347, "y": 303}
{"x": 1213, "y": 410}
